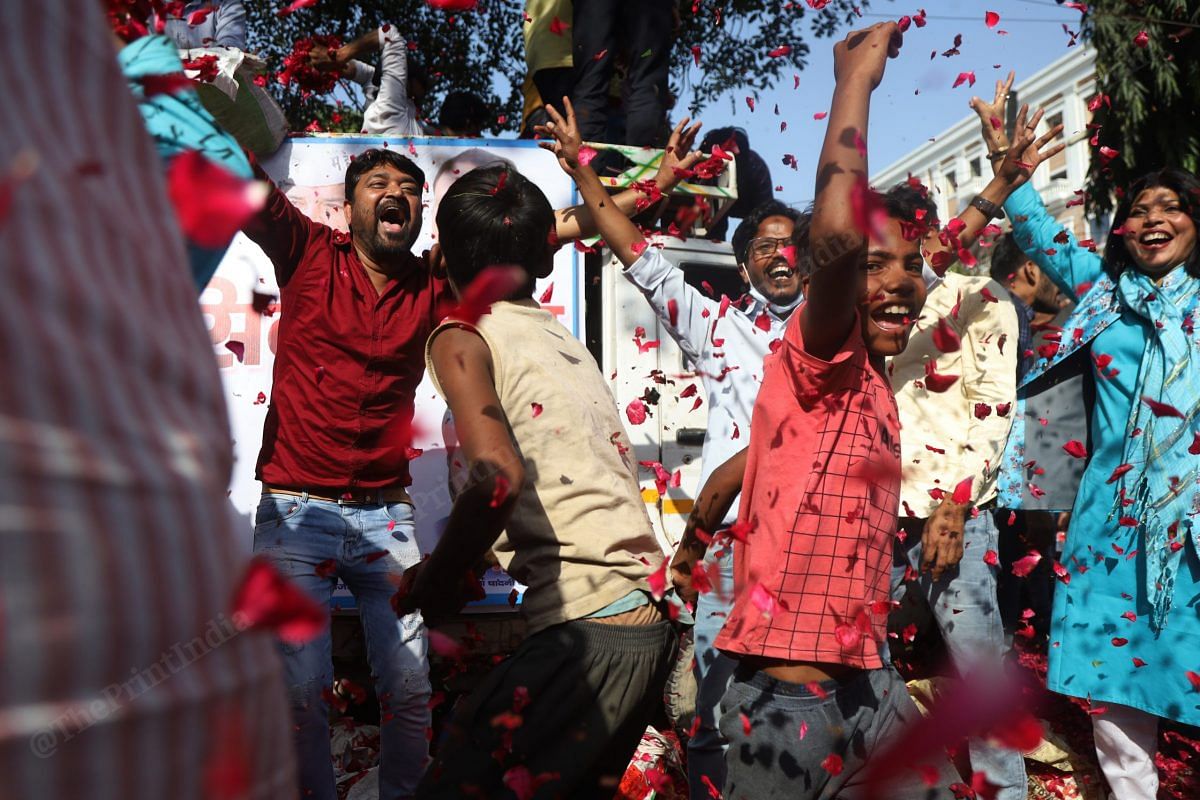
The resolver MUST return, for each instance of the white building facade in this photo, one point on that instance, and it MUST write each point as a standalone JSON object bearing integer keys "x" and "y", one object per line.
{"x": 955, "y": 167}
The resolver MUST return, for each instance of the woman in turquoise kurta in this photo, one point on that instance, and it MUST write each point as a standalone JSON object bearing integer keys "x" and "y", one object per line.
{"x": 1126, "y": 626}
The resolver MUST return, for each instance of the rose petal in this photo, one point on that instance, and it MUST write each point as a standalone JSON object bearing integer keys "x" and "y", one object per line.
{"x": 266, "y": 600}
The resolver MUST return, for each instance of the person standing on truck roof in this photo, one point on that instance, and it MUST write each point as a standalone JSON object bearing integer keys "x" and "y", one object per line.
{"x": 726, "y": 344}
{"x": 394, "y": 89}
{"x": 334, "y": 464}
{"x": 204, "y": 23}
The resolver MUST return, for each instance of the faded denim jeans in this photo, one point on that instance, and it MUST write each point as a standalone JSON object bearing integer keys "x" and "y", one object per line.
{"x": 968, "y": 615}
{"x": 713, "y": 671}
{"x": 300, "y": 533}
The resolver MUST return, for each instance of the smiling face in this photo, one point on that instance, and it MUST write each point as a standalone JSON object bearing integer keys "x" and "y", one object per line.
{"x": 1159, "y": 233}
{"x": 385, "y": 213}
{"x": 767, "y": 268}
{"x": 891, "y": 290}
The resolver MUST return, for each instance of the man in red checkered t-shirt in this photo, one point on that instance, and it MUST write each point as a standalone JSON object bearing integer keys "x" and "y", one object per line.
{"x": 812, "y": 699}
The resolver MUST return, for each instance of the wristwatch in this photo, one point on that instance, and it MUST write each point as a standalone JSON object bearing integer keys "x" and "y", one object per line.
{"x": 987, "y": 208}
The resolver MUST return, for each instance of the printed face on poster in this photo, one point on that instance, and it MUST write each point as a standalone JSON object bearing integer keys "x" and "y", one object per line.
{"x": 242, "y": 312}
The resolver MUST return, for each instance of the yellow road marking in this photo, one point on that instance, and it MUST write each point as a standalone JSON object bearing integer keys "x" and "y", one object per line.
{"x": 669, "y": 506}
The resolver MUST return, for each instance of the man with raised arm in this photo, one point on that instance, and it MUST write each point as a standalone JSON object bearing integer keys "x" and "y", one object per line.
{"x": 812, "y": 698}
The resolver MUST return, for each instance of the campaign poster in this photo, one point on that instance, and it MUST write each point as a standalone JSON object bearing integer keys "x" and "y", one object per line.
{"x": 242, "y": 312}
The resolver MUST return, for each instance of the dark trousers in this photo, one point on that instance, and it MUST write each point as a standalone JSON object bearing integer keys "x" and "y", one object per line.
{"x": 553, "y": 84}
{"x": 562, "y": 716}
{"x": 644, "y": 28}
{"x": 780, "y": 735}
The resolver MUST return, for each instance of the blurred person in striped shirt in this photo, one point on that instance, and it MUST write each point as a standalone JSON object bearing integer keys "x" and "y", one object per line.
{"x": 125, "y": 675}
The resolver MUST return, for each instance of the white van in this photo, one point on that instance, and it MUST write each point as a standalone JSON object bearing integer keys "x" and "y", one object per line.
{"x": 674, "y": 435}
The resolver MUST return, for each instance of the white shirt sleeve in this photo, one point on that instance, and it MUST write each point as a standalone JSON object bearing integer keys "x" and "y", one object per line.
{"x": 677, "y": 303}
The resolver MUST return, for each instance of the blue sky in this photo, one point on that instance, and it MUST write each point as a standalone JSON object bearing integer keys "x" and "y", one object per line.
{"x": 915, "y": 102}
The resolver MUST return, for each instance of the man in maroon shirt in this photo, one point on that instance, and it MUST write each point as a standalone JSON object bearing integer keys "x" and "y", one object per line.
{"x": 357, "y": 311}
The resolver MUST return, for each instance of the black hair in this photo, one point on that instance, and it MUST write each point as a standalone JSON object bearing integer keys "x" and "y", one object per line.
{"x": 463, "y": 111}
{"x": 905, "y": 202}
{"x": 373, "y": 157}
{"x": 722, "y": 135}
{"x": 747, "y": 229}
{"x": 495, "y": 215}
{"x": 1007, "y": 258}
{"x": 1183, "y": 183}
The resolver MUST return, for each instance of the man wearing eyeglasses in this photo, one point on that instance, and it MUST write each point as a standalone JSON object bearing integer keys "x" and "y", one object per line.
{"x": 726, "y": 343}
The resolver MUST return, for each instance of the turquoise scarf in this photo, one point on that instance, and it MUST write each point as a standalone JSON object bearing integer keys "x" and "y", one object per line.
{"x": 1163, "y": 481}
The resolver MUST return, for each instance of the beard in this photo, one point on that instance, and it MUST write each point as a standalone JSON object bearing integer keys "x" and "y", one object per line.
{"x": 381, "y": 248}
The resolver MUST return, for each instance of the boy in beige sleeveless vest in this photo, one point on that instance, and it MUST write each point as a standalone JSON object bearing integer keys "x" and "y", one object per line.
{"x": 553, "y": 491}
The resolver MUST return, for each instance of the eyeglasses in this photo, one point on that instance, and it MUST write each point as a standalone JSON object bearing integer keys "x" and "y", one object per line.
{"x": 765, "y": 247}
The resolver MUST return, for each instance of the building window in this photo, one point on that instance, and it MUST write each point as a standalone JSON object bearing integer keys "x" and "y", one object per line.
{"x": 951, "y": 190}
{"x": 1057, "y": 164}
{"x": 976, "y": 167}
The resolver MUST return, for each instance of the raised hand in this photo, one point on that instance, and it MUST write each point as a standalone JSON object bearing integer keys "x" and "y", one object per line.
{"x": 864, "y": 53}
{"x": 679, "y": 156}
{"x": 991, "y": 115}
{"x": 1028, "y": 150}
{"x": 567, "y": 141}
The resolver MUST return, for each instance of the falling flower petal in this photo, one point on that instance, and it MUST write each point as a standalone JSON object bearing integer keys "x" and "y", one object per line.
{"x": 964, "y": 77}
{"x": 832, "y": 764}
{"x": 494, "y": 283}
{"x": 935, "y": 381}
{"x": 657, "y": 581}
{"x": 991, "y": 19}
{"x": 443, "y": 645}
{"x": 211, "y": 203}
{"x": 546, "y": 295}
{"x": 267, "y": 600}
{"x": 945, "y": 338}
{"x": 1075, "y": 448}
{"x": 1142, "y": 39}
{"x": 1023, "y": 566}
{"x": 962, "y": 492}
{"x": 1162, "y": 409}
{"x": 299, "y": 4}
{"x": 635, "y": 412}
{"x": 1118, "y": 472}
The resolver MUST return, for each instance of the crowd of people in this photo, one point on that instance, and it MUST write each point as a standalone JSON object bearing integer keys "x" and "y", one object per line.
{"x": 876, "y": 436}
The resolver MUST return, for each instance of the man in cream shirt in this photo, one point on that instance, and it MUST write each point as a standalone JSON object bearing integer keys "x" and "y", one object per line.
{"x": 956, "y": 389}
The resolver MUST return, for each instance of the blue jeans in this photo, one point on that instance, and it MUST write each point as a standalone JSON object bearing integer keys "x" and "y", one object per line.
{"x": 967, "y": 612}
{"x": 706, "y": 750}
{"x": 300, "y": 533}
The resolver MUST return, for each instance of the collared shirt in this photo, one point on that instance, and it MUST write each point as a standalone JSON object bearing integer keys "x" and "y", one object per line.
{"x": 348, "y": 359}
{"x": 1025, "y": 354}
{"x": 960, "y": 432}
{"x": 726, "y": 349}
{"x": 821, "y": 491}
{"x": 224, "y": 25}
